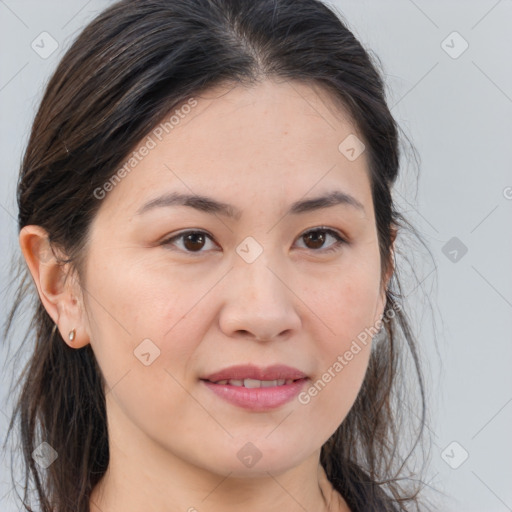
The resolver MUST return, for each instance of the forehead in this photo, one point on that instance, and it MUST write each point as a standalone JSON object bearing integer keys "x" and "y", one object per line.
{"x": 270, "y": 141}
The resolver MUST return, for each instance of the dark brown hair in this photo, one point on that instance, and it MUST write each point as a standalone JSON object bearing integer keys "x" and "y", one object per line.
{"x": 128, "y": 68}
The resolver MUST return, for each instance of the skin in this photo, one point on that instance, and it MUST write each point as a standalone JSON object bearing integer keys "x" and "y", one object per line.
{"x": 173, "y": 443}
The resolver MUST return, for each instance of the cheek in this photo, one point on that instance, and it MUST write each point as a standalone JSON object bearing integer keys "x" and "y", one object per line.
{"x": 329, "y": 398}
{"x": 140, "y": 315}
{"x": 347, "y": 305}
{"x": 342, "y": 365}
{"x": 145, "y": 328}
{"x": 348, "y": 309}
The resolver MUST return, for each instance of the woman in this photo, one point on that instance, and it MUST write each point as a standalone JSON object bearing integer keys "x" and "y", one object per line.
{"x": 205, "y": 211}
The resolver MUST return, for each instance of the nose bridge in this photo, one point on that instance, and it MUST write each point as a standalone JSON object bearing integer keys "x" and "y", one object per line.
{"x": 256, "y": 264}
{"x": 262, "y": 285}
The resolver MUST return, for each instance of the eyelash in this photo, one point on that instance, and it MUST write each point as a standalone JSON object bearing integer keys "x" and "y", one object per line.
{"x": 334, "y": 247}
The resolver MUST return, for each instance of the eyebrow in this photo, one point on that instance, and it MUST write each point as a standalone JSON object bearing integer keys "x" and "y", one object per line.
{"x": 212, "y": 206}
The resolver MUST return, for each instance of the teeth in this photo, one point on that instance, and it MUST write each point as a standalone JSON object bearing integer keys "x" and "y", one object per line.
{"x": 255, "y": 383}
{"x": 269, "y": 383}
{"x": 252, "y": 383}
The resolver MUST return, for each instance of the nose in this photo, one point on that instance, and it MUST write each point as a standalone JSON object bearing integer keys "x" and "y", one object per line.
{"x": 261, "y": 303}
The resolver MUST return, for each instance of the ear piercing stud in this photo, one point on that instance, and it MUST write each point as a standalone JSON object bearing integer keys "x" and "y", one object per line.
{"x": 72, "y": 334}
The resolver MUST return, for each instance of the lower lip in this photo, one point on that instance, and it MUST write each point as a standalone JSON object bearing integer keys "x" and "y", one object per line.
{"x": 257, "y": 399}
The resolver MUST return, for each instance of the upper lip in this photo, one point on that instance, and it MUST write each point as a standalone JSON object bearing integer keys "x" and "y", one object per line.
{"x": 242, "y": 372}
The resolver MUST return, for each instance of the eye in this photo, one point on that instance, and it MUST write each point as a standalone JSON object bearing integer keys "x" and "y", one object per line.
{"x": 195, "y": 241}
{"x": 192, "y": 241}
{"x": 316, "y": 239}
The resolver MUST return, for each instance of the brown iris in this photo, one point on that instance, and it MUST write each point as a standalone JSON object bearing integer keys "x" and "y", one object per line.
{"x": 317, "y": 237}
{"x": 194, "y": 241}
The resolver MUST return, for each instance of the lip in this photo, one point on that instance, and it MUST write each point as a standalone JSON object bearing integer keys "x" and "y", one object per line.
{"x": 240, "y": 372}
{"x": 257, "y": 399}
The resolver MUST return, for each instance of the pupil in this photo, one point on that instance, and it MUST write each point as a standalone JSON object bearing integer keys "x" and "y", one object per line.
{"x": 319, "y": 236}
{"x": 191, "y": 241}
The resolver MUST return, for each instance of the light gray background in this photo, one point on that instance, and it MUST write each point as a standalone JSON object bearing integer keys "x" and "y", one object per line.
{"x": 458, "y": 113}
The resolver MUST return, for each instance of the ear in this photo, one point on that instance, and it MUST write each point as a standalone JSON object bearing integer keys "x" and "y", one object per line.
{"x": 60, "y": 294}
{"x": 391, "y": 268}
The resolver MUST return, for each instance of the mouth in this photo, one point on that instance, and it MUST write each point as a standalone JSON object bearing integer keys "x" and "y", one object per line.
{"x": 255, "y": 383}
{"x": 256, "y": 389}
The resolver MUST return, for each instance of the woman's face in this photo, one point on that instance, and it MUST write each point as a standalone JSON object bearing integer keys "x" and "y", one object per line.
{"x": 264, "y": 281}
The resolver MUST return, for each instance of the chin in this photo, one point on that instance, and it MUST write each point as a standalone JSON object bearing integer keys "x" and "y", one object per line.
{"x": 259, "y": 456}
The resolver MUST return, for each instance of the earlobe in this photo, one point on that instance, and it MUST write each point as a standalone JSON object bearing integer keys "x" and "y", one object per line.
{"x": 55, "y": 290}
